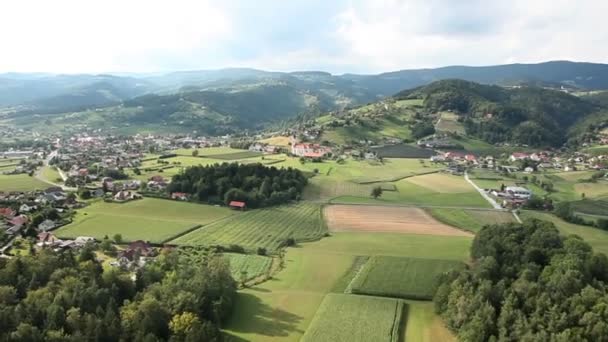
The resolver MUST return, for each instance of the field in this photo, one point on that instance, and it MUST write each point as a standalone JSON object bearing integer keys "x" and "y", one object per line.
{"x": 51, "y": 174}
{"x": 282, "y": 309}
{"x": 356, "y": 318}
{"x": 410, "y": 278}
{"x": 591, "y": 207}
{"x": 252, "y": 265}
{"x": 403, "y": 151}
{"x": 21, "y": 182}
{"x": 448, "y": 122}
{"x": 598, "y": 239}
{"x": 425, "y": 190}
{"x": 277, "y": 141}
{"x": 423, "y": 325}
{"x": 149, "y": 219}
{"x": 471, "y": 220}
{"x": 362, "y": 218}
{"x": 225, "y": 153}
{"x": 268, "y": 228}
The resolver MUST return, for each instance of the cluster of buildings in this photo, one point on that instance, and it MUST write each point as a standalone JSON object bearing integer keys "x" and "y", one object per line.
{"x": 309, "y": 150}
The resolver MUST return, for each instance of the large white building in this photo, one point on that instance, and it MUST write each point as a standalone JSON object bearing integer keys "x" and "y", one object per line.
{"x": 518, "y": 192}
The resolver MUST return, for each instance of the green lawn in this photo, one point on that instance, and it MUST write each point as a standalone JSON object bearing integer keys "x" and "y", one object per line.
{"x": 356, "y": 318}
{"x": 266, "y": 228}
{"x": 51, "y": 174}
{"x": 253, "y": 265}
{"x": 21, "y": 182}
{"x": 150, "y": 219}
{"x": 471, "y": 220}
{"x": 410, "y": 278}
{"x": 598, "y": 239}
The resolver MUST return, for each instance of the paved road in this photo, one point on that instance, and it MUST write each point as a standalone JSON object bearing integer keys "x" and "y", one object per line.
{"x": 38, "y": 174}
{"x": 482, "y": 193}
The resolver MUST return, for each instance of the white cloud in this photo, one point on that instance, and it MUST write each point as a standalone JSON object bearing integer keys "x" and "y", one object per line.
{"x": 111, "y": 35}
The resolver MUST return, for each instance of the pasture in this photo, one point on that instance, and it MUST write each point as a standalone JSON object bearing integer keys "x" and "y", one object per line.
{"x": 362, "y": 218}
{"x": 403, "y": 151}
{"x": 423, "y": 325}
{"x": 597, "y": 238}
{"x": 20, "y": 182}
{"x": 249, "y": 266}
{"x": 155, "y": 220}
{"x": 471, "y": 220}
{"x": 268, "y": 228}
{"x": 356, "y": 318}
{"x": 51, "y": 174}
{"x": 410, "y": 278}
{"x": 448, "y": 122}
{"x": 277, "y": 141}
{"x": 591, "y": 207}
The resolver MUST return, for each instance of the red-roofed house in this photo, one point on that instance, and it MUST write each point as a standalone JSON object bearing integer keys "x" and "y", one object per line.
{"x": 47, "y": 239}
{"x": 19, "y": 220}
{"x": 470, "y": 158}
{"x": 454, "y": 155}
{"x": 181, "y": 196}
{"x": 237, "y": 205}
{"x": 7, "y": 213}
{"x": 309, "y": 150}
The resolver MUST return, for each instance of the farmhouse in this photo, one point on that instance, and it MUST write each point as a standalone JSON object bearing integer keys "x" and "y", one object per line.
{"x": 309, "y": 150}
{"x": 519, "y": 156}
{"x": 518, "y": 192}
{"x": 237, "y": 205}
{"x": 180, "y": 196}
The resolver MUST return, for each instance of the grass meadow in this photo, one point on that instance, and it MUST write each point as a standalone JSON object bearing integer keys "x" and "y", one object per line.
{"x": 471, "y": 220}
{"x": 155, "y": 220}
{"x": 20, "y": 182}
{"x": 410, "y": 278}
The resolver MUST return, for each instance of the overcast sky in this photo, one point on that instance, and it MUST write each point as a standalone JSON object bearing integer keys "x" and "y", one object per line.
{"x": 363, "y": 36}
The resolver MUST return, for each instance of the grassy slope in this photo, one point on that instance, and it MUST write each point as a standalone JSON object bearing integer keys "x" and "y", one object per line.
{"x": 597, "y": 238}
{"x": 423, "y": 325}
{"x": 150, "y": 219}
{"x": 471, "y": 220}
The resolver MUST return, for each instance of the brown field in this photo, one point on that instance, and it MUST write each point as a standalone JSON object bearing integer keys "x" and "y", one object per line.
{"x": 361, "y": 218}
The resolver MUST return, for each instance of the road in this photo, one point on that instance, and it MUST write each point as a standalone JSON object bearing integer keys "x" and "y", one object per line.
{"x": 481, "y": 192}
{"x": 38, "y": 174}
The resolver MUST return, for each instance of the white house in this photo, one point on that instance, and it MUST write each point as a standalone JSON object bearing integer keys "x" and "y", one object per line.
{"x": 518, "y": 192}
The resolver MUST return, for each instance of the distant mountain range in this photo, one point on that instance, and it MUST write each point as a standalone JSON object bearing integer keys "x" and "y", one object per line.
{"x": 247, "y": 98}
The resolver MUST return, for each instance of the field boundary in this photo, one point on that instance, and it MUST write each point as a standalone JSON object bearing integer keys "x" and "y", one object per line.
{"x": 395, "y": 179}
{"x": 191, "y": 229}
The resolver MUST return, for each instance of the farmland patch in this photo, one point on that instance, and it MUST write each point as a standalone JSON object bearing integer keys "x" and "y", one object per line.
{"x": 359, "y": 218}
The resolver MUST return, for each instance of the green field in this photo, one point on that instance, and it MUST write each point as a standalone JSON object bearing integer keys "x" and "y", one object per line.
{"x": 471, "y": 220}
{"x": 149, "y": 219}
{"x": 423, "y": 325}
{"x": 449, "y": 123}
{"x": 591, "y": 207}
{"x": 51, "y": 174}
{"x": 213, "y": 152}
{"x": 282, "y": 308}
{"x": 253, "y": 265}
{"x": 266, "y": 228}
{"x": 21, "y": 182}
{"x": 410, "y": 278}
{"x": 598, "y": 239}
{"x": 356, "y": 318}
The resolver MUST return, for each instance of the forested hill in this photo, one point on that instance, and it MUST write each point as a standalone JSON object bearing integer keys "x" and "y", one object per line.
{"x": 526, "y": 115}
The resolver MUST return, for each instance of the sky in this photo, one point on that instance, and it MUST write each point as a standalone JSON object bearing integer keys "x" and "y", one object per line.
{"x": 339, "y": 36}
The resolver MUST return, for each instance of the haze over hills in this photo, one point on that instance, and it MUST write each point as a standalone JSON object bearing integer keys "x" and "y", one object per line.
{"x": 220, "y": 101}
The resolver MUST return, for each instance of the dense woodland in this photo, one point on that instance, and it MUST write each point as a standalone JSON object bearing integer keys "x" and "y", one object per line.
{"x": 64, "y": 297}
{"x": 527, "y": 115}
{"x": 527, "y": 283}
{"x": 255, "y": 184}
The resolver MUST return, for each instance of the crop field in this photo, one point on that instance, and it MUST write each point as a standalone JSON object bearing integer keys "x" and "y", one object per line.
{"x": 223, "y": 153}
{"x": 267, "y": 228}
{"x": 591, "y": 207}
{"x": 409, "y": 278}
{"x": 423, "y": 325}
{"x": 21, "y": 182}
{"x": 361, "y": 218}
{"x": 597, "y": 238}
{"x": 449, "y": 123}
{"x": 277, "y": 141}
{"x": 249, "y": 265}
{"x": 155, "y": 220}
{"x": 356, "y": 318}
{"x": 236, "y": 155}
{"x": 403, "y": 151}
{"x": 441, "y": 182}
{"x": 471, "y": 220}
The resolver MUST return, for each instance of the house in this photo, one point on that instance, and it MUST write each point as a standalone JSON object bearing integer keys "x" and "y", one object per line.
{"x": 19, "y": 221}
{"x": 83, "y": 240}
{"x": 518, "y": 192}
{"x": 83, "y": 172}
{"x": 519, "y": 156}
{"x": 529, "y": 169}
{"x": 438, "y": 158}
{"x": 454, "y": 156}
{"x": 24, "y": 208}
{"x": 180, "y": 196}
{"x": 126, "y": 196}
{"x": 369, "y": 155}
{"x": 237, "y": 205}
{"x": 7, "y": 213}
{"x": 470, "y": 158}
{"x": 46, "y": 239}
{"x": 46, "y": 225}
{"x": 309, "y": 150}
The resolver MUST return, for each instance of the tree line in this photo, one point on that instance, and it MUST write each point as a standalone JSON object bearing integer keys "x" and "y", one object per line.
{"x": 527, "y": 283}
{"x": 255, "y": 184}
{"x": 69, "y": 297}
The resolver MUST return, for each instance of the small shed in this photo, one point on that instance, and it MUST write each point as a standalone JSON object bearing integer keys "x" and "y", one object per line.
{"x": 237, "y": 205}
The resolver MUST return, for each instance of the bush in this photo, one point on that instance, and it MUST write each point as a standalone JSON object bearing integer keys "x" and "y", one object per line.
{"x": 262, "y": 251}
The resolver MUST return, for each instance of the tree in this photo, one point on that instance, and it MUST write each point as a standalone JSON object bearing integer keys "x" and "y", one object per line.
{"x": 195, "y": 153}
{"x": 117, "y": 238}
{"x": 376, "y": 192}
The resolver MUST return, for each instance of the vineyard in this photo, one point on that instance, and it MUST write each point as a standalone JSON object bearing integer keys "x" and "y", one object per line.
{"x": 267, "y": 228}
{"x": 409, "y": 278}
{"x": 356, "y": 318}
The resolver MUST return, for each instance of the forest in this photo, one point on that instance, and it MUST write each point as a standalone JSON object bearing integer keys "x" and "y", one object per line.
{"x": 527, "y": 283}
{"x": 255, "y": 184}
{"x": 64, "y": 296}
